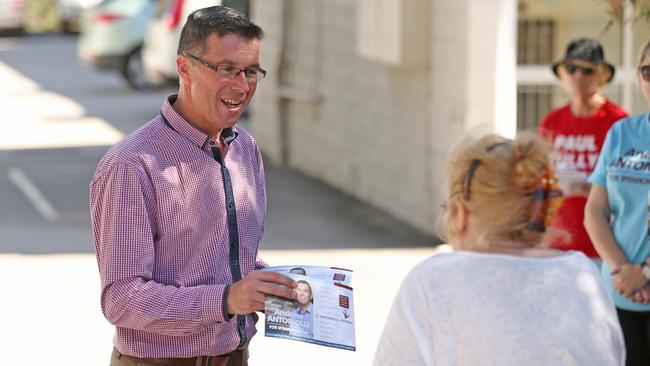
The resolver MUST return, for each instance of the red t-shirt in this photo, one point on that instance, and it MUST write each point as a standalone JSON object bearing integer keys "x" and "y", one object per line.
{"x": 575, "y": 146}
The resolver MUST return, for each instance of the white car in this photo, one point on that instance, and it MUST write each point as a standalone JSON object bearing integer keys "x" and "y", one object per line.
{"x": 164, "y": 32}
{"x": 111, "y": 37}
{"x": 12, "y": 13}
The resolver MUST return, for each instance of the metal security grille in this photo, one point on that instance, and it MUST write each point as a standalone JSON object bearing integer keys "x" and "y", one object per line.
{"x": 533, "y": 102}
{"x": 535, "y": 40}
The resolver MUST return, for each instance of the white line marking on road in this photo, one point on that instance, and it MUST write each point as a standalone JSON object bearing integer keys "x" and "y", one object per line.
{"x": 33, "y": 194}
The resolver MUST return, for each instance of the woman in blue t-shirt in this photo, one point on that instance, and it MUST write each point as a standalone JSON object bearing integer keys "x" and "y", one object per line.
{"x": 617, "y": 218}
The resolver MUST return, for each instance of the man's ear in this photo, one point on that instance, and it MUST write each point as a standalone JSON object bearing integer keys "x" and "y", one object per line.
{"x": 183, "y": 68}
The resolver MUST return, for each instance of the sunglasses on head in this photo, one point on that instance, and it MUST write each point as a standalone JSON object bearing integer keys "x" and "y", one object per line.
{"x": 645, "y": 72}
{"x": 572, "y": 68}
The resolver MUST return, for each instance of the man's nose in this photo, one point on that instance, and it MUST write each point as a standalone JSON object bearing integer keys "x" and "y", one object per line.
{"x": 241, "y": 82}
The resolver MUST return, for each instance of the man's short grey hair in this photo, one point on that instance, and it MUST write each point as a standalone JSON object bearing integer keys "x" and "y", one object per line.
{"x": 219, "y": 20}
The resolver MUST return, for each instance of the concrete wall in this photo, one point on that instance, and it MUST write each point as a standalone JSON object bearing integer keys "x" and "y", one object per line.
{"x": 374, "y": 124}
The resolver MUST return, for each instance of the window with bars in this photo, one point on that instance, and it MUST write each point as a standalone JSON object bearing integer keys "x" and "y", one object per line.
{"x": 535, "y": 41}
{"x": 533, "y": 102}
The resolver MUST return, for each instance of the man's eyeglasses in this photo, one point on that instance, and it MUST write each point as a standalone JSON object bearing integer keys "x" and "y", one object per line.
{"x": 645, "y": 72}
{"x": 229, "y": 72}
{"x": 572, "y": 68}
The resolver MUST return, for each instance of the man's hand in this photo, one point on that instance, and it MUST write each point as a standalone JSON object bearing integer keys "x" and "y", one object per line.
{"x": 628, "y": 278}
{"x": 247, "y": 295}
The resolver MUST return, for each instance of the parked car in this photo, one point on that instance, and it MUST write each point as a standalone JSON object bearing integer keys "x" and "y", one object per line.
{"x": 12, "y": 14}
{"x": 161, "y": 39}
{"x": 111, "y": 37}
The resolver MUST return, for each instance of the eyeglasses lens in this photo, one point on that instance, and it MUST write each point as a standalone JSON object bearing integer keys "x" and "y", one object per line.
{"x": 645, "y": 73}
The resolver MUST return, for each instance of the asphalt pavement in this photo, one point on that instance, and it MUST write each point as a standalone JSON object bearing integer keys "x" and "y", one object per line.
{"x": 60, "y": 117}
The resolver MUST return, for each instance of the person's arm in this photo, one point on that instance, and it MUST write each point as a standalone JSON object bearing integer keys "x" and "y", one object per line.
{"x": 123, "y": 219}
{"x": 628, "y": 278}
{"x": 597, "y": 225}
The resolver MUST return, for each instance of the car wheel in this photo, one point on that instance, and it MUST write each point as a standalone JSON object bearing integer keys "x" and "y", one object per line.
{"x": 133, "y": 71}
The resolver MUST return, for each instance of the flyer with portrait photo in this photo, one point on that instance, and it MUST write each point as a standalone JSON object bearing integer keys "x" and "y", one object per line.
{"x": 322, "y": 314}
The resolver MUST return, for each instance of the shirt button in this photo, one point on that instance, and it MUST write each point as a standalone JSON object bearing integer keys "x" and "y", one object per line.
{"x": 211, "y": 142}
{"x": 242, "y": 322}
{"x": 230, "y": 205}
{"x": 234, "y": 244}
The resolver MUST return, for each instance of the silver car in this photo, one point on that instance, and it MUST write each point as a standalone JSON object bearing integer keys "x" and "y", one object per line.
{"x": 111, "y": 37}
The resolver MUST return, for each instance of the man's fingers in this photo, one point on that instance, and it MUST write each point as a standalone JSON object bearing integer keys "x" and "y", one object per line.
{"x": 258, "y": 298}
{"x": 247, "y": 295}
{"x": 274, "y": 277}
{"x": 269, "y": 288}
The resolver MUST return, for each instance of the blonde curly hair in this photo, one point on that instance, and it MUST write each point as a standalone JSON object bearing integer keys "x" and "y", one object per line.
{"x": 508, "y": 186}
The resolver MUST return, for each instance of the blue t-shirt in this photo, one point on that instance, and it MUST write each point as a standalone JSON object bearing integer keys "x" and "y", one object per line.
{"x": 624, "y": 170}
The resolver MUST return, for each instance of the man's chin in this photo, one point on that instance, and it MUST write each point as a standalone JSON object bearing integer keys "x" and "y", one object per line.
{"x": 232, "y": 118}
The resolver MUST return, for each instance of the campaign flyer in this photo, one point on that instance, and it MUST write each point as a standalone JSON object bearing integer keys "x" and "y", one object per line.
{"x": 322, "y": 314}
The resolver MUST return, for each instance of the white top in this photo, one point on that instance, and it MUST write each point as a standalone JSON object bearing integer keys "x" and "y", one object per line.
{"x": 468, "y": 308}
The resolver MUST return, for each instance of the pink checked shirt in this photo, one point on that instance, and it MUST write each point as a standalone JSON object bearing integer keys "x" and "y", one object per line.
{"x": 166, "y": 248}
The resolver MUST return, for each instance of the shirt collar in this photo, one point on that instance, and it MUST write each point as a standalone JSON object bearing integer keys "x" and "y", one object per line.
{"x": 308, "y": 310}
{"x": 197, "y": 137}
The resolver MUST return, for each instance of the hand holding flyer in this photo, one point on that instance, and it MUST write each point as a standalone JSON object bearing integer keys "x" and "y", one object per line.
{"x": 323, "y": 312}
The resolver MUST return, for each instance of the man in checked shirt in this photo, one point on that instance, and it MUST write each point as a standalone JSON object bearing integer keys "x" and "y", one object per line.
{"x": 178, "y": 210}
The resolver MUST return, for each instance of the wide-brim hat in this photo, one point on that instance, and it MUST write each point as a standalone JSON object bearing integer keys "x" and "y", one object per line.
{"x": 585, "y": 49}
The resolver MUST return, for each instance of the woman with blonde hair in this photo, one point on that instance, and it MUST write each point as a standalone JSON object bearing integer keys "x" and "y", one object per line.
{"x": 617, "y": 218}
{"x": 500, "y": 298}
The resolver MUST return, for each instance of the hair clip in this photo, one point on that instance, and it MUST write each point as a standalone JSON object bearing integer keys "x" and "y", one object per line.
{"x": 474, "y": 164}
{"x": 547, "y": 199}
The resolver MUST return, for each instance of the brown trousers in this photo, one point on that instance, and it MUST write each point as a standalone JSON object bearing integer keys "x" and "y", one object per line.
{"x": 236, "y": 358}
